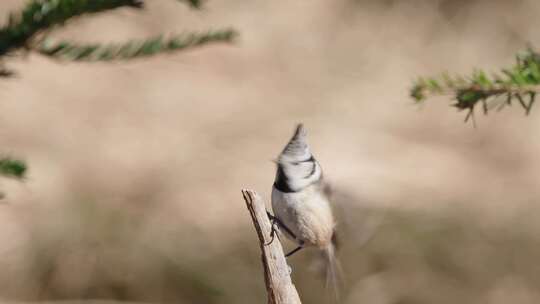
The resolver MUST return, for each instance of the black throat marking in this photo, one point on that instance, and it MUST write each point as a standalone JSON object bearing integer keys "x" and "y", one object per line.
{"x": 282, "y": 181}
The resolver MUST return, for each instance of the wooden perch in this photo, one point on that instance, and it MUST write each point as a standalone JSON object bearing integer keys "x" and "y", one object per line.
{"x": 278, "y": 281}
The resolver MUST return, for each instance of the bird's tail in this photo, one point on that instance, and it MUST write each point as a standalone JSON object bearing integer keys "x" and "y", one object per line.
{"x": 333, "y": 271}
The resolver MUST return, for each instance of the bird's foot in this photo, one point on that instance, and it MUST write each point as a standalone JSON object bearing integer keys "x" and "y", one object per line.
{"x": 276, "y": 225}
{"x": 274, "y": 221}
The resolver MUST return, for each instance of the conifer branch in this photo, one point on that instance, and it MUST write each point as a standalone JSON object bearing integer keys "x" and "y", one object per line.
{"x": 518, "y": 84}
{"x": 14, "y": 168}
{"x": 193, "y": 3}
{"x": 132, "y": 49}
{"x": 40, "y": 15}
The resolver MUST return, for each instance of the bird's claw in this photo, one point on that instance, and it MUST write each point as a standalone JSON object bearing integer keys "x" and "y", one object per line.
{"x": 275, "y": 228}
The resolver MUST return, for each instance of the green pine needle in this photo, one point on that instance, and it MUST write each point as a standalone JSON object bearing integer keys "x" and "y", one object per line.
{"x": 132, "y": 49}
{"x": 10, "y": 167}
{"x": 39, "y": 15}
{"x": 193, "y": 3}
{"x": 519, "y": 83}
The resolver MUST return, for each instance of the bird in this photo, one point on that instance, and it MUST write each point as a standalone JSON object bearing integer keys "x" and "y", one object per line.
{"x": 300, "y": 205}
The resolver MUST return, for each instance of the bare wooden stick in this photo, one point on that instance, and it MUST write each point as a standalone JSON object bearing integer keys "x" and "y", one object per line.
{"x": 278, "y": 281}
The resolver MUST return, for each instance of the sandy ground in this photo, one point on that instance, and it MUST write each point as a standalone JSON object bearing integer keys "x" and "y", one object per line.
{"x": 175, "y": 137}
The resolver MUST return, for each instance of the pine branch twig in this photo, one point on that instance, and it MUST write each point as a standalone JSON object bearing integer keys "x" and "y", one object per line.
{"x": 518, "y": 84}
{"x": 277, "y": 278}
{"x": 41, "y": 15}
{"x": 27, "y": 30}
{"x": 194, "y": 3}
{"x": 23, "y": 29}
{"x": 10, "y": 167}
{"x": 132, "y": 49}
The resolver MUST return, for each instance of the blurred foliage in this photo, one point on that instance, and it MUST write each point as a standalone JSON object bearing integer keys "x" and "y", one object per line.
{"x": 517, "y": 84}
{"x": 194, "y": 3}
{"x": 10, "y": 167}
{"x": 41, "y": 16}
{"x": 27, "y": 30}
{"x": 131, "y": 49}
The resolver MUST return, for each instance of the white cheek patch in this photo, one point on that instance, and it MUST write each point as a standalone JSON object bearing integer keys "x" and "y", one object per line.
{"x": 302, "y": 174}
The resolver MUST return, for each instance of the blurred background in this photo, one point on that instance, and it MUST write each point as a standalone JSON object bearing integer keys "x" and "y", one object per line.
{"x": 133, "y": 191}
